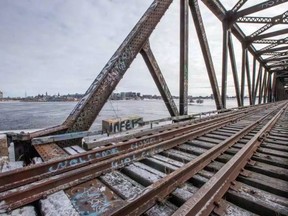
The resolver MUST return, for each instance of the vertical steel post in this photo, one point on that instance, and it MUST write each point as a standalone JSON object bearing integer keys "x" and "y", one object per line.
{"x": 274, "y": 88}
{"x": 248, "y": 77}
{"x": 234, "y": 68}
{"x": 257, "y": 84}
{"x": 183, "y": 100}
{"x": 269, "y": 99}
{"x": 265, "y": 87}
{"x": 224, "y": 63}
{"x": 253, "y": 79}
{"x": 260, "y": 86}
{"x": 243, "y": 74}
{"x": 198, "y": 22}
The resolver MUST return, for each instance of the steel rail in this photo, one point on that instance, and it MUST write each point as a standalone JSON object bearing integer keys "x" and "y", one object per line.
{"x": 162, "y": 188}
{"x": 203, "y": 201}
{"x": 29, "y": 193}
{"x": 29, "y": 174}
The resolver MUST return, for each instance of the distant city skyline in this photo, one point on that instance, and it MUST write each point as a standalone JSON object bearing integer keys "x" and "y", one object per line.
{"x": 62, "y": 46}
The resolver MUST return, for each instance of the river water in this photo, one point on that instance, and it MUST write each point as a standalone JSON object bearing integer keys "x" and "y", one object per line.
{"x": 36, "y": 115}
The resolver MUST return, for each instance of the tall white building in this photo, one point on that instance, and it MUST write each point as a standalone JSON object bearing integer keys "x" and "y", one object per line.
{"x": 1, "y": 94}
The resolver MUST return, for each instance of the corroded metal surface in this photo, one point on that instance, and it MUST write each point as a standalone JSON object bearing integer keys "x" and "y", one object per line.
{"x": 94, "y": 198}
{"x": 50, "y": 151}
{"x": 62, "y": 178}
{"x": 85, "y": 112}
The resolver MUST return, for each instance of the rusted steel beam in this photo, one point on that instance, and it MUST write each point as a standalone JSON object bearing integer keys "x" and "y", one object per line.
{"x": 266, "y": 88}
{"x": 276, "y": 59}
{"x": 87, "y": 109}
{"x": 270, "y": 34}
{"x": 234, "y": 68}
{"x": 250, "y": 19}
{"x": 243, "y": 74}
{"x": 273, "y": 50}
{"x": 32, "y": 192}
{"x": 258, "y": 7}
{"x": 224, "y": 62}
{"x": 158, "y": 78}
{"x": 163, "y": 187}
{"x": 199, "y": 25}
{"x": 257, "y": 84}
{"x": 267, "y": 41}
{"x": 269, "y": 88}
{"x": 203, "y": 200}
{"x": 238, "y": 5}
{"x": 184, "y": 34}
{"x": 260, "y": 86}
{"x": 275, "y": 20}
{"x": 263, "y": 86}
{"x": 273, "y": 44}
{"x": 248, "y": 78}
{"x": 274, "y": 87}
{"x": 253, "y": 79}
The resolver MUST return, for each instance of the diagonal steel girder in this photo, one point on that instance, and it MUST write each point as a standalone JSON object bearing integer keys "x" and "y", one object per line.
{"x": 220, "y": 12}
{"x": 279, "y": 54}
{"x": 265, "y": 20}
{"x": 267, "y": 41}
{"x": 272, "y": 50}
{"x": 275, "y": 20}
{"x": 158, "y": 78}
{"x": 199, "y": 25}
{"x": 238, "y": 5}
{"x": 275, "y": 43}
{"x": 270, "y": 34}
{"x": 259, "y": 7}
{"x": 276, "y": 59}
{"x": 88, "y": 108}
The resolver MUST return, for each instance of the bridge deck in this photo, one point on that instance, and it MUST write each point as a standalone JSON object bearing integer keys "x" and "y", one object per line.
{"x": 234, "y": 163}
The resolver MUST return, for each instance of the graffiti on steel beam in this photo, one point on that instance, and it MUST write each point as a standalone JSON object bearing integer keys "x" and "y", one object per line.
{"x": 83, "y": 159}
{"x": 85, "y": 112}
{"x": 272, "y": 3}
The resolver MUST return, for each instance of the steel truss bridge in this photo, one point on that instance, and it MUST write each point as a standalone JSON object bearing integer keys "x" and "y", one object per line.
{"x": 230, "y": 160}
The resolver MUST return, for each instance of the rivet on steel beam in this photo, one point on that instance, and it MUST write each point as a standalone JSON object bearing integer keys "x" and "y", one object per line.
{"x": 217, "y": 204}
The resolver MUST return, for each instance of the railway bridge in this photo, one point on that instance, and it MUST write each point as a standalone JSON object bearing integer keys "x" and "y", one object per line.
{"x": 224, "y": 162}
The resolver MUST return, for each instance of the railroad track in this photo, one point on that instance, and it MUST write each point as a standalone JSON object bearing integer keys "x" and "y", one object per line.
{"x": 162, "y": 175}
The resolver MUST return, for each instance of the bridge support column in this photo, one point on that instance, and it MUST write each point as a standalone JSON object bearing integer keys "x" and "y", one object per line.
{"x": 224, "y": 63}
{"x": 260, "y": 87}
{"x": 243, "y": 74}
{"x": 183, "y": 100}
{"x": 234, "y": 68}
{"x": 253, "y": 80}
{"x": 248, "y": 77}
{"x": 257, "y": 84}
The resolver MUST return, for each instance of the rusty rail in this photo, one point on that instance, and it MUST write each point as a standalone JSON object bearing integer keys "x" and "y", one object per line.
{"x": 203, "y": 201}
{"x": 162, "y": 188}
{"x": 27, "y": 175}
{"x": 31, "y": 192}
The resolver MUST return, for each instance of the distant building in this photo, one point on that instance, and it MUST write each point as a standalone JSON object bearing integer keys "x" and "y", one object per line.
{"x": 1, "y": 94}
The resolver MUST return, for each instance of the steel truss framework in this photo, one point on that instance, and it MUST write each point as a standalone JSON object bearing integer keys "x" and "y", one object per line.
{"x": 272, "y": 70}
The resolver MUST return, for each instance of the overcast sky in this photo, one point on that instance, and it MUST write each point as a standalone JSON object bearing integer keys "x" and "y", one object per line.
{"x": 60, "y": 46}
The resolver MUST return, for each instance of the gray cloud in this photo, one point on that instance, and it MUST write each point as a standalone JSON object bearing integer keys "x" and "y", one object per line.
{"x": 61, "y": 46}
